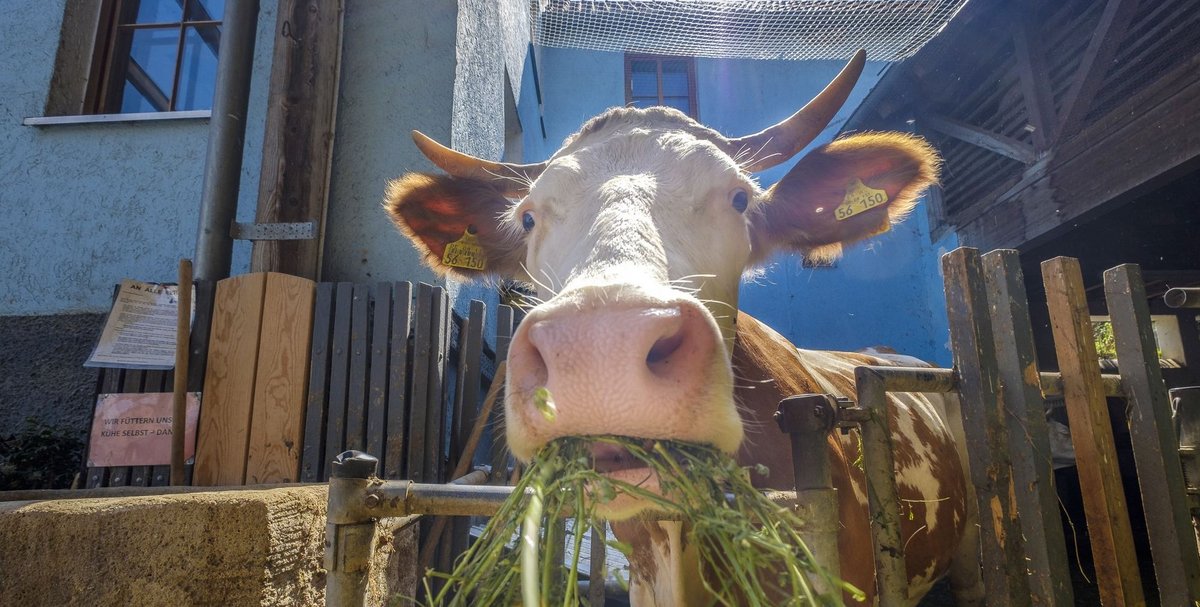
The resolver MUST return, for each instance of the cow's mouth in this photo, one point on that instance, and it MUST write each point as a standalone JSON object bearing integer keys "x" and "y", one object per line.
{"x": 608, "y": 458}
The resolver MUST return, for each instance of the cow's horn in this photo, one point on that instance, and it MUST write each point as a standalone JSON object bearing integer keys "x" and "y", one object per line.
{"x": 512, "y": 179}
{"x": 778, "y": 143}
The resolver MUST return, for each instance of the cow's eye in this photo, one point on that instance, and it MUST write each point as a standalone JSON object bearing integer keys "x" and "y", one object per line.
{"x": 741, "y": 200}
{"x": 527, "y": 221}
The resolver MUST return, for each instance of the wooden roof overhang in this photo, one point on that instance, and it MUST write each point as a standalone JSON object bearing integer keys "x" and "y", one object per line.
{"x": 1048, "y": 113}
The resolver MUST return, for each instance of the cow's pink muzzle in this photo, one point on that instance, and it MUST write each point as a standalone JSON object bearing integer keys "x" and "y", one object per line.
{"x": 647, "y": 371}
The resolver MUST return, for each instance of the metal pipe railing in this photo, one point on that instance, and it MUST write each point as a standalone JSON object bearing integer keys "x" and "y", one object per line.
{"x": 1182, "y": 297}
{"x": 807, "y": 420}
{"x": 226, "y": 141}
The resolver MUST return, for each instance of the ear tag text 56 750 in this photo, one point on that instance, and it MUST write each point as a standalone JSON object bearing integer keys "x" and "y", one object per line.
{"x": 465, "y": 253}
{"x": 859, "y": 198}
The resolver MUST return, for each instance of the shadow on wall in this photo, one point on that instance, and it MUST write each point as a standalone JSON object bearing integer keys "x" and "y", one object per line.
{"x": 43, "y": 382}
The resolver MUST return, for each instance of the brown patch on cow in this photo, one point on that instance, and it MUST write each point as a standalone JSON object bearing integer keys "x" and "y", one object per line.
{"x": 640, "y": 535}
{"x": 436, "y": 210}
{"x": 768, "y": 369}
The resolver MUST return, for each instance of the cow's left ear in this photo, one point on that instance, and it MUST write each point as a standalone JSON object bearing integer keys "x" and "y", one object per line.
{"x": 842, "y": 192}
{"x": 457, "y": 223}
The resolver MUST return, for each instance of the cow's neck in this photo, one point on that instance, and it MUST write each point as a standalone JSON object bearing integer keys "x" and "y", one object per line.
{"x": 664, "y": 566}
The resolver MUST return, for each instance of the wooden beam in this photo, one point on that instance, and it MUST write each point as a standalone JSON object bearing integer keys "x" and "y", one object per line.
{"x": 1035, "y": 85}
{"x": 988, "y": 140}
{"x": 1117, "y": 572}
{"x": 1095, "y": 62}
{"x": 298, "y": 142}
{"x": 1152, "y": 433}
{"x": 1132, "y": 149}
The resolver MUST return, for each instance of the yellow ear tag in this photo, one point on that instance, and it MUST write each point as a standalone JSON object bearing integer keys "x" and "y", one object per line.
{"x": 465, "y": 253}
{"x": 859, "y": 198}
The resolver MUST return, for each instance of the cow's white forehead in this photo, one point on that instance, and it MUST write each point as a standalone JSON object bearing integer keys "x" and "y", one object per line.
{"x": 646, "y": 192}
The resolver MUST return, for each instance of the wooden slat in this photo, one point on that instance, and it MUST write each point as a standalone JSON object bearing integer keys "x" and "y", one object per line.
{"x": 470, "y": 376}
{"x": 299, "y": 135}
{"x": 139, "y": 382}
{"x": 160, "y": 381}
{"x": 499, "y": 452}
{"x": 356, "y": 385}
{"x": 339, "y": 369}
{"x": 312, "y": 459}
{"x": 229, "y": 382}
{"x": 397, "y": 411}
{"x": 108, "y": 382}
{"x": 435, "y": 442}
{"x": 381, "y": 320}
{"x": 1028, "y": 436}
{"x": 281, "y": 381}
{"x": 419, "y": 400}
{"x": 1091, "y": 434}
{"x": 983, "y": 418}
{"x": 1155, "y": 446}
{"x": 123, "y": 476}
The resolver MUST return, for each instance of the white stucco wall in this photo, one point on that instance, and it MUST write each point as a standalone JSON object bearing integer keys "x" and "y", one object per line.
{"x": 83, "y": 206}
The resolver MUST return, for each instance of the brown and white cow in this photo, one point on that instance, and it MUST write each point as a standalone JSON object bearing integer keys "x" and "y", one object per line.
{"x": 636, "y": 233}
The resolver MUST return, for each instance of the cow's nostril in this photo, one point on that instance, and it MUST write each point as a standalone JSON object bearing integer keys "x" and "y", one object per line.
{"x": 664, "y": 348}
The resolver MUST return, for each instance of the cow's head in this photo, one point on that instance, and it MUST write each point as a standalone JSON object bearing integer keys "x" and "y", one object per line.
{"x": 636, "y": 233}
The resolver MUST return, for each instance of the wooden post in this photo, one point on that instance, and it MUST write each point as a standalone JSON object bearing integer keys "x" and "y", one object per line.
{"x": 1028, "y": 436}
{"x": 499, "y": 452}
{"x": 984, "y": 419}
{"x": 183, "y": 331}
{"x": 1091, "y": 434}
{"x": 298, "y": 142}
{"x": 1152, "y": 432}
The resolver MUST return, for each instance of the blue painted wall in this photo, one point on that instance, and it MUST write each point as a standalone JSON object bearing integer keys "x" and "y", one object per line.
{"x": 883, "y": 292}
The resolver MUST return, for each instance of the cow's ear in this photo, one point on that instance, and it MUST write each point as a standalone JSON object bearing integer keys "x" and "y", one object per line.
{"x": 842, "y": 192}
{"x": 457, "y": 224}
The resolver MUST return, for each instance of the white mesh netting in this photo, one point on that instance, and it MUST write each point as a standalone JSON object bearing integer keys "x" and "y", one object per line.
{"x": 889, "y": 30}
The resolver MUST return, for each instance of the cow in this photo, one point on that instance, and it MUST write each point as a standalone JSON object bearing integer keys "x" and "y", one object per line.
{"x": 636, "y": 234}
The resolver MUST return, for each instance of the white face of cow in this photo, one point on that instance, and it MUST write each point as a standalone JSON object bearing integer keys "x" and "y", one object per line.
{"x": 636, "y": 233}
{"x": 630, "y": 231}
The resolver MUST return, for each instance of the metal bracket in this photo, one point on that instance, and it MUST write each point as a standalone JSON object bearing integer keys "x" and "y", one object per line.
{"x": 273, "y": 231}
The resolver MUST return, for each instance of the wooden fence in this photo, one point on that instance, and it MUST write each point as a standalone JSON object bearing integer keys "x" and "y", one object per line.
{"x": 1002, "y": 399}
{"x": 401, "y": 378}
{"x": 298, "y": 372}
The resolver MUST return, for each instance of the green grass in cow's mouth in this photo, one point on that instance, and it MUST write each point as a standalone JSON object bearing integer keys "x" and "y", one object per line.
{"x": 740, "y": 532}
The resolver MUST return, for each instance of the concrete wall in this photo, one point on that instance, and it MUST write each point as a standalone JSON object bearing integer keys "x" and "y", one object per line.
{"x": 884, "y": 292}
{"x": 398, "y": 59}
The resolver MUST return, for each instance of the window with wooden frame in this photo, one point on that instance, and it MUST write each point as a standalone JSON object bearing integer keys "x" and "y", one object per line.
{"x": 656, "y": 80}
{"x": 155, "y": 56}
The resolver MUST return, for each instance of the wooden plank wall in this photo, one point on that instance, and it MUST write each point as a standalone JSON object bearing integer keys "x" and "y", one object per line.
{"x": 301, "y": 372}
{"x": 254, "y": 388}
{"x": 396, "y": 375}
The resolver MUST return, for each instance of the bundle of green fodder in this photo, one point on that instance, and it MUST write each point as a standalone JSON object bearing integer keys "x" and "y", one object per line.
{"x": 751, "y": 541}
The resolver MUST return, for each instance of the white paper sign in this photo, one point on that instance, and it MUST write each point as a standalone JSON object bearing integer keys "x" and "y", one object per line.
{"x": 140, "y": 331}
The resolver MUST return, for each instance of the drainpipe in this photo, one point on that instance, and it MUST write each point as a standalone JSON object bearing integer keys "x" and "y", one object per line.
{"x": 226, "y": 138}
